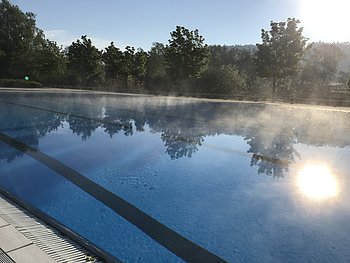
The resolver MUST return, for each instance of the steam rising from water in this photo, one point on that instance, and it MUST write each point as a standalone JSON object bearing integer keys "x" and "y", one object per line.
{"x": 272, "y": 132}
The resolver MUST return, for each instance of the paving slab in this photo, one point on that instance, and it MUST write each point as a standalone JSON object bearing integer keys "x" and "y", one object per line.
{"x": 3, "y": 222}
{"x": 30, "y": 254}
{"x": 33, "y": 240}
{"x": 11, "y": 239}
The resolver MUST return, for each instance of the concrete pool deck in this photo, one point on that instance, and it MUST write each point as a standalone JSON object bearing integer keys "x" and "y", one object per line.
{"x": 25, "y": 238}
{"x": 15, "y": 247}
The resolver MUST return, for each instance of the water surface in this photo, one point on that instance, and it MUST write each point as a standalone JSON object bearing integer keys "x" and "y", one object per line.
{"x": 248, "y": 182}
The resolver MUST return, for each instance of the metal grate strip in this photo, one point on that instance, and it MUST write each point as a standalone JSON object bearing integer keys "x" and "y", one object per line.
{"x": 5, "y": 258}
{"x": 49, "y": 240}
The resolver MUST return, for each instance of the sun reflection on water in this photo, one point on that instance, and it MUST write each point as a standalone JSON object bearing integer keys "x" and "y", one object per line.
{"x": 317, "y": 182}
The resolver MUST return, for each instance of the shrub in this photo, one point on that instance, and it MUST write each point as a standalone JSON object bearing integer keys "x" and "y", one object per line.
{"x": 19, "y": 83}
{"x": 222, "y": 80}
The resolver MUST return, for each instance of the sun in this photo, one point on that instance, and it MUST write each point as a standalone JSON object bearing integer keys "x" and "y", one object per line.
{"x": 315, "y": 181}
{"x": 326, "y": 20}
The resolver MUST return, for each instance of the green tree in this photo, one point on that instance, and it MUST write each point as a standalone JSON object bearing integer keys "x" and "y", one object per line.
{"x": 139, "y": 66}
{"x": 127, "y": 64}
{"x": 219, "y": 55}
{"x": 49, "y": 63}
{"x": 186, "y": 55}
{"x": 321, "y": 62}
{"x": 281, "y": 50}
{"x": 113, "y": 58}
{"x": 18, "y": 36}
{"x": 223, "y": 80}
{"x": 85, "y": 63}
{"x": 122, "y": 65}
{"x": 23, "y": 61}
{"x": 240, "y": 57}
{"x": 155, "y": 67}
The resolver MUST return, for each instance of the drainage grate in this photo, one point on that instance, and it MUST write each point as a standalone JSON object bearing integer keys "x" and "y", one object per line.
{"x": 5, "y": 258}
{"x": 52, "y": 242}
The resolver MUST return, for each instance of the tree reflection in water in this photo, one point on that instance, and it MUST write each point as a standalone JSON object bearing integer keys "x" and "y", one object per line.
{"x": 271, "y": 132}
{"x": 178, "y": 146}
{"x": 272, "y": 155}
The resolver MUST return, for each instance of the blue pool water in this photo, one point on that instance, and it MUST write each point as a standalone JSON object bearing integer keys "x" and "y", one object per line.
{"x": 246, "y": 182}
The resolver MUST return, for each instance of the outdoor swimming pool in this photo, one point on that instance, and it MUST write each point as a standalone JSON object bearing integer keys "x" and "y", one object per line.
{"x": 173, "y": 179}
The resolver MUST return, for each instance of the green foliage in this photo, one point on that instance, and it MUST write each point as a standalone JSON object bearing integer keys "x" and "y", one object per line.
{"x": 122, "y": 65}
{"x": 113, "y": 58}
{"x": 281, "y": 50}
{"x": 318, "y": 69}
{"x": 139, "y": 66}
{"x": 185, "y": 65}
{"x": 155, "y": 61}
{"x": 321, "y": 62}
{"x": 241, "y": 57}
{"x": 85, "y": 63}
{"x": 118, "y": 64}
{"x": 156, "y": 76}
{"x": 24, "y": 49}
{"x": 128, "y": 62}
{"x": 49, "y": 63}
{"x": 225, "y": 79}
{"x": 19, "y": 83}
{"x": 18, "y": 37}
{"x": 186, "y": 55}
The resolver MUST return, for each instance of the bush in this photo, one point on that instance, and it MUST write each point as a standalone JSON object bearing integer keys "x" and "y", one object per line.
{"x": 19, "y": 83}
{"x": 222, "y": 80}
{"x": 159, "y": 83}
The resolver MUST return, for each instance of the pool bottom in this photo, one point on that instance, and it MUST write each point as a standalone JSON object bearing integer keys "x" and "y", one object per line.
{"x": 174, "y": 242}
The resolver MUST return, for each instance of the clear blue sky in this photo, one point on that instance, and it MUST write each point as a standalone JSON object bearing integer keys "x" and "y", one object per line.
{"x": 139, "y": 23}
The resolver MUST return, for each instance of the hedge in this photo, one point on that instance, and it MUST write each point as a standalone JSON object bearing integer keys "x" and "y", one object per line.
{"x": 19, "y": 83}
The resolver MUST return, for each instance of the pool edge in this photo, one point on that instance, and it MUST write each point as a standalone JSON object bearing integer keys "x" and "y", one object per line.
{"x": 52, "y": 224}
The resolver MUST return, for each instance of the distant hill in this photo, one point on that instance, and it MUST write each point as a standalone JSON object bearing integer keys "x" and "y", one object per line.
{"x": 245, "y": 47}
{"x": 249, "y": 47}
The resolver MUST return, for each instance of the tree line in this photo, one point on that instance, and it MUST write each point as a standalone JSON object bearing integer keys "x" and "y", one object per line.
{"x": 283, "y": 64}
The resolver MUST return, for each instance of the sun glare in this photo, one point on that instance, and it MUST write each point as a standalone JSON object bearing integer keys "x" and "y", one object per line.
{"x": 326, "y": 20}
{"x": 317, "y": 182}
